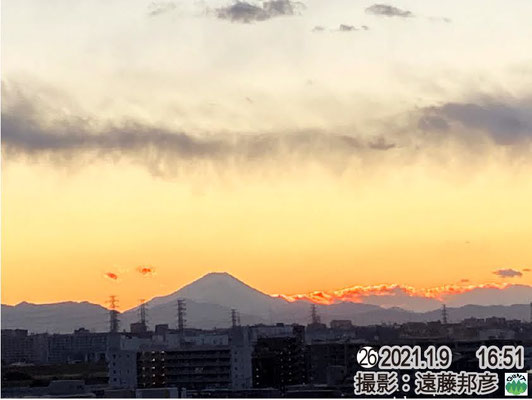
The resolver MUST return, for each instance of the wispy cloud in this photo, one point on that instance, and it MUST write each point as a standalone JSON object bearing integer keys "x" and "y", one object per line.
{"x": 388, "y": 11}
{"x": 160, "y": 7}
{"x": 508, "y": 273}
{"x": 440, "y": 19}
{"x": 381, "y": 143}
{"x": 25, "y": 134}
{"x": 33, "y": 131}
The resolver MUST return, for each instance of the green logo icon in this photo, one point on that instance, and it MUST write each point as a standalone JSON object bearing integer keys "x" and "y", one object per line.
{"x": 515, "y": 387}
{"x": 516, "y": 384}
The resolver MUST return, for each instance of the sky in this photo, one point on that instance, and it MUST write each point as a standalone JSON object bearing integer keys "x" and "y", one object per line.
{"x": 301, "y": 146}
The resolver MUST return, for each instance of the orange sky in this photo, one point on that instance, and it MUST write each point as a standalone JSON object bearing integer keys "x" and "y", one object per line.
{"x": 70, "y": 228}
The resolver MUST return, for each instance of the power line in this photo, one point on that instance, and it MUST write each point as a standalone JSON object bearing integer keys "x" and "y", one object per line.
{"x": 314, "y": 317}
{"x": 113, "y": 314}
{"x": 181, "y": 314}
{"x": 444, "y": 315}
{"x": 143, "y": 313}
{"x": 235, "y": 318}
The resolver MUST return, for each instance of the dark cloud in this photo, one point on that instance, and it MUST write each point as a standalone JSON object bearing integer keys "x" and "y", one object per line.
{"x": 464, "y": 280}
{"x": 505, "y": 124}
{"x": 341, "y": 28}
{"x": 388, "y": 11}
{"x": 346, "y": 28}
{"x": 30, "y": 137}
{"x": 433, "y": 122}
{"x": 66, "y": 139}
{"x": 508, "y": 273}
{"x": 244, "y": 12}
{"x": 440, "y": 19}
{"x": 35, "y": 130}
{"x": 158, "y": 8}
{"x": 380, "y": 143}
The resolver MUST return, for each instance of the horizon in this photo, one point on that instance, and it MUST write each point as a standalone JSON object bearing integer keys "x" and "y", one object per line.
{"x": 331, "y": 298}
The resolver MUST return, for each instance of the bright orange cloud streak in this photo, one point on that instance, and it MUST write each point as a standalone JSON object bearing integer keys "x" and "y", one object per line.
{"x": 356, "y": 294}
{"x": 145, "y": 270}
{"x": 111, "y": 275}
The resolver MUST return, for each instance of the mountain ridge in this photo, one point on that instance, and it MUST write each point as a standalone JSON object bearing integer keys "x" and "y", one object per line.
{"x": 210, "y": 300}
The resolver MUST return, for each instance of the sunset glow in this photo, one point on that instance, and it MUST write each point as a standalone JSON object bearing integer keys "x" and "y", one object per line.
{"x": 358, "y": 293}
{"x": 301, "y": 150}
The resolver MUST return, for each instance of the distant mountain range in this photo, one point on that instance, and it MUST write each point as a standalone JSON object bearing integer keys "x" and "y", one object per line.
{"x": 209, "y": 302}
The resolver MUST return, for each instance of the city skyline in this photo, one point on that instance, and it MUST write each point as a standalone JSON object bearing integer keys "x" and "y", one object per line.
{"x": 304, "y": 148}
